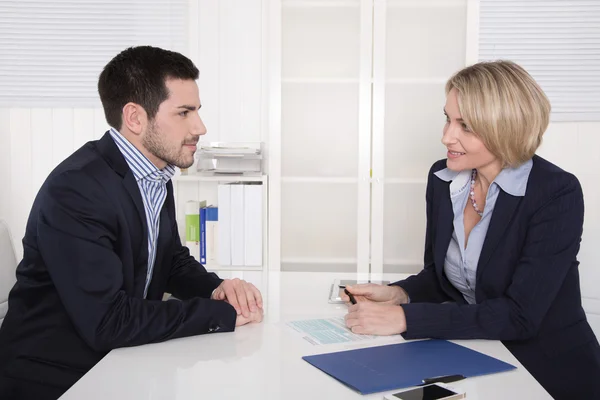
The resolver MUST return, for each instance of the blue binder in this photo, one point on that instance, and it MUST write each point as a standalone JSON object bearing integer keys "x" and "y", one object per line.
{"x": 389, "y": 367}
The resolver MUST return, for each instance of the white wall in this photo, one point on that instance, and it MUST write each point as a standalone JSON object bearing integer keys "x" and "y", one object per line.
{"x": 32, "y": 142}
{"x": 226, "y": 39}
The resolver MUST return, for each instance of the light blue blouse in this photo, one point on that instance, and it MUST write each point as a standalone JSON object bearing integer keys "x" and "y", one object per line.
{"x": 460, "y": 265}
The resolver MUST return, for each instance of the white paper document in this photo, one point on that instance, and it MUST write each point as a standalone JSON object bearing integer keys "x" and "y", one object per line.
{"x": 326, "y": 331}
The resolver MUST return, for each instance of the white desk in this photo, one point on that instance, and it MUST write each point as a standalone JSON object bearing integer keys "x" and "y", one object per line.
{"x": 263, "y": 361}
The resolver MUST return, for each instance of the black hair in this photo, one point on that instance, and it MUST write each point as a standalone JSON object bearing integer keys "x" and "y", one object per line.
{"x": 138, "y": 75}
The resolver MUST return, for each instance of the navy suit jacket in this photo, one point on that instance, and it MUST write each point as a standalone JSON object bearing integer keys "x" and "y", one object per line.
{"x": 527, "y": 282}
{"x": 80, "y": 284}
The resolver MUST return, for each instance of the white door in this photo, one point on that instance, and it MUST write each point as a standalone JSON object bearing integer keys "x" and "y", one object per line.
{"x": 418, "y": 46}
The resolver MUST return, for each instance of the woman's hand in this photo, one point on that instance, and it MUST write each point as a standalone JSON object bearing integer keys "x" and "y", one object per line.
{"x": 369, "y": 318}
{"x": 370, "y": 292}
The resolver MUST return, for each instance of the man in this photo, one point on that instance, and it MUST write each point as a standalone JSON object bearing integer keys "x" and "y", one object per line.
{"x": 101, "y": 245}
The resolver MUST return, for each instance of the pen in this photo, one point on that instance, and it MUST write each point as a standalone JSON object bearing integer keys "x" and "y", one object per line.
{"x": 443, "y": 379}
{"x": 352, "y": 299}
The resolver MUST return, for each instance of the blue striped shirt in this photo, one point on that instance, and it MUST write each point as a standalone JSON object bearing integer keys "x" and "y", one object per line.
{"x": 461, "y": 261}
{"x": 153, "y": 188}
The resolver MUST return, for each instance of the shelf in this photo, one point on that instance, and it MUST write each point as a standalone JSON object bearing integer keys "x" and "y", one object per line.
{"x": 320, "y": 80}
{"x": 320, "y": 3}
{"x": 219, "y": 178}
{"x": 318, "y": 260}
{"x": 406, "y": 181}
{"x": 390, "y": 3}
{"x": 392, "y": 81}
{"x": 323, "y": 260}
{"x": 411, "y": 81}
{"x": 317, "y": 179}
{"x": 426, "y": 3}
{"x": 212, "y": 268}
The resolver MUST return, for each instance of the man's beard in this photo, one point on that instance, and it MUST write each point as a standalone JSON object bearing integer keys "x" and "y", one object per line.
{"x": 154, "y": 142}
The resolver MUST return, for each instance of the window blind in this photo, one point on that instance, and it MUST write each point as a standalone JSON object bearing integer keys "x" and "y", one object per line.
{"x": 557, "y": 41}
{"x": 51, "y": 53}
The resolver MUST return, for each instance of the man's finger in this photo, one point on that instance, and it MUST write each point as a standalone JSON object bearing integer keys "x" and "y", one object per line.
{"x": 260, "y": 315}
{"x": 250, "y": 298}
{"x": 257, "y": 296}
{"x": 231, "y": 297}
{"x": 242, "y": 300}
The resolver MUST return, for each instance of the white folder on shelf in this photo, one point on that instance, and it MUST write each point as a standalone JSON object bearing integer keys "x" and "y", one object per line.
{"x": 253, "y": 221}
{"x": 224, "y": 231}
{"x": 237, "y": 224}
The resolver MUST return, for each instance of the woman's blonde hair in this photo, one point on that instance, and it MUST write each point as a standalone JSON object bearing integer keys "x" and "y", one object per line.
{"x": 505, "y": 106}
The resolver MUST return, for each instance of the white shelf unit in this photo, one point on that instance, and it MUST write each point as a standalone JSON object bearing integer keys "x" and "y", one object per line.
{"x": 228, "y": 42}
{"x": 200, "y": 187}
{"x": 361, "y": 123}
{"x": 218, "y": 178}
{"x": 234, "y": 268}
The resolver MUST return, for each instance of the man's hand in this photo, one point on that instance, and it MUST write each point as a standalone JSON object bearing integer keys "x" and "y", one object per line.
{"x": 243, "y": 296}
{"x": 368, "y": 318}
{"x": 381, "y": 294}
{"x": 256, "y": 316}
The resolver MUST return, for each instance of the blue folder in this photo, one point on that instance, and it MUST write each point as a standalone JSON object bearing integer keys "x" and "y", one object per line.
{"x": 389, "y": 367}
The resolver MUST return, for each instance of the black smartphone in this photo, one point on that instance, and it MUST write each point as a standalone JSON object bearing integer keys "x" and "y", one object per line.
{"x": 434, "y": 391}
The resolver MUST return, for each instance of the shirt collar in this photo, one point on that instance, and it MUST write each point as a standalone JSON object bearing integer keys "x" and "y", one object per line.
{"x": 139, "y": 164}
{"x": 512, "y": 180}
{"x": 459, "y": 179}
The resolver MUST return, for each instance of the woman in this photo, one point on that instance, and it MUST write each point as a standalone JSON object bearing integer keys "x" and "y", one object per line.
{"x": 503, "y": 232}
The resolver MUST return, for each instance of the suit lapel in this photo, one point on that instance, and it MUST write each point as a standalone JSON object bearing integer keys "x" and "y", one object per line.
{"x": 111, "y": 153}
{"x": 162, "y": 249}
{"x": 163, "y": 246}
{"x": 134, "y": 192}
{"x": 444, "y": 226}
{"x": 504, "y": 210}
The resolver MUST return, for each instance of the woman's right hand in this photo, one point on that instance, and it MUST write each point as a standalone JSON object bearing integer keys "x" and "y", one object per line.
{"x": 376, "y": 293}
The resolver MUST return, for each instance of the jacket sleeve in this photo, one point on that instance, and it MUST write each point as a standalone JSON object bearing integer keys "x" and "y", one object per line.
{"x": 188, "y": 278}
{"x": 550, "y": 250}
{"x": 425, "y": 286}
{"x": 77, "y": 231}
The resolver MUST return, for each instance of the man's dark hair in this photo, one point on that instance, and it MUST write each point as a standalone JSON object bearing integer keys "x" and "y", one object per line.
{"x": 138, "y": 75}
